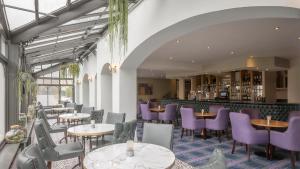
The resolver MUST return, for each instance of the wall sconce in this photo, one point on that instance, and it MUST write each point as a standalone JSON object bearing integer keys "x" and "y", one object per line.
{"x": 113, "y": 68}
{"x": 78, "y": 82}
{"x": 90, "y": 78}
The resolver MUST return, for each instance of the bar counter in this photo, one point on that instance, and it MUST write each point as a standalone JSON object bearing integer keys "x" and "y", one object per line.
{"x": 279, "y": 111}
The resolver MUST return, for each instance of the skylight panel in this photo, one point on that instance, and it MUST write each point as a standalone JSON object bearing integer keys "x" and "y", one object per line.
{"x": 17, "y": 18}
{"x": 49, "y": 6}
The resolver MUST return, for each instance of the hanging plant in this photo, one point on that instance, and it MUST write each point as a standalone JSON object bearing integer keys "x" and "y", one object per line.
{"x": 72, "y": 69}
{"x": 118, "y": 24}
{"x": 25, "y": 84}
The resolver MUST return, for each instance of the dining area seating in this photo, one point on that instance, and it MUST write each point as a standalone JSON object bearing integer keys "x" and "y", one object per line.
{"x": 248, "y": 129}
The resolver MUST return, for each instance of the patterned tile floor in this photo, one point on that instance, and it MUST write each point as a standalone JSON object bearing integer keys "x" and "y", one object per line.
{"x": 195, "y": 153}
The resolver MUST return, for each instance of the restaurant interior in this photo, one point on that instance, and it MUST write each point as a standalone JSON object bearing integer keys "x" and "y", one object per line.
{"x": 149, "y": 84}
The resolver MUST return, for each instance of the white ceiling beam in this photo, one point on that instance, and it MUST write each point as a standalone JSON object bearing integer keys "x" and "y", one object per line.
{"x": 48, "y": 70}
{"x": 64, "y": 15}
{"x": 64, "y": 45}
{"x": 66, "y": 60}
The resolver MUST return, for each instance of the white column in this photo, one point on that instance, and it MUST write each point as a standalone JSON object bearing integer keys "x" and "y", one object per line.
{"x": 124, "y": 85}
{"x": 294, "y": 81}
{"x": 181, "y": 89}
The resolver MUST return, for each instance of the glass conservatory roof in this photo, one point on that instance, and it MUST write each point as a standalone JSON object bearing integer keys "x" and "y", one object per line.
{"x": 81, "y": 25}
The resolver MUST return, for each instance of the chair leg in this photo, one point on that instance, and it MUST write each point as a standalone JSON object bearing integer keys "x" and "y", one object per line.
{"x": 182, "y": 131}
{"x": 293, "y": 161}
{"x": 246, "y": 147}
{"x": 49, "y": 164}
{"x": 249, "y": 151}
{"x": 233, "y": 147}
{"x": 297, "y": 156}
{"x": 66, "y": 136}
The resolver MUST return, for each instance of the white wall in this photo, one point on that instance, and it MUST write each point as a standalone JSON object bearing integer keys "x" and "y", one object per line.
{"x": 155, "y": 22}
{"x": 89, "y": 68}
{"x": 294, "y": 81}
{"x": 2, "y": 102}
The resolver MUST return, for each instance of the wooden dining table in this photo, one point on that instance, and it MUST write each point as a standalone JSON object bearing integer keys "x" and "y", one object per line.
{"x": 204, "y": 116}
{"x": 273, "y": 124}
{"x": 157, "y": 110}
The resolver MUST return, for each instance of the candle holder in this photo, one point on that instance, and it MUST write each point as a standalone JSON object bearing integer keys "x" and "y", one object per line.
{"x": 202, "y": 111}
{"x": 93, "y": 123}
{"x": 130, "y": 151}
{"x": 159, "y": 107}
{"x": 75, "y": 113}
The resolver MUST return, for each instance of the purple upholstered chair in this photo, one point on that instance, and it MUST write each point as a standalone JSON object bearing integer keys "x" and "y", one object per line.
{"x": 189, "y": 106}
{"x": 190, "y": 122}
{"x": 169, "y": 114}
{"x": 288, "y": 140}
{"x": 243, "y": 132}
{"x": 253, "y": 113}
{"x": 147, "y": 114}
{"x": 293, "y": 114}
{"x": 215, "y": 108}
{"x": 220, "y": 122}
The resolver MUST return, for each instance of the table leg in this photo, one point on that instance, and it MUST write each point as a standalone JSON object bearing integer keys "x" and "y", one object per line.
{"x": 91, "y": 146}
{"x": 83, "y": 142}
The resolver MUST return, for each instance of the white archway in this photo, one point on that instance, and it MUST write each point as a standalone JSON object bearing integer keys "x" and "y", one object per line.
{"x": 106, "y": 88}
{"x": 85, "y": 91}
{"x": 145, "y": 42}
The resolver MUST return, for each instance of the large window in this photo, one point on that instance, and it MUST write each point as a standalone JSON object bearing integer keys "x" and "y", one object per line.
{"x": 2, "y": 102}
{"x": 53, "y": 89}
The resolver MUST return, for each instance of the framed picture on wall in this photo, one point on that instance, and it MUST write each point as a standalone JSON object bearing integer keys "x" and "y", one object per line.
{"x": 145, "y": 89}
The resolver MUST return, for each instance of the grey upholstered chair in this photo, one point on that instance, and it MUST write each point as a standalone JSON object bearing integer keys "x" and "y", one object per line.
{"x": 78, "y": 107}
{"x": 31, "y": 158}
{"x": 216, "y": 161}
{"x": 159, "y": 134}
{"x": 113, "y": 118}
{"x": 97, "y": 115}
{"x": 53, "y": 128}
{"x": 51, "y": 151}
{"x": 124, "y": 132}
{"x": 87, "y": 110}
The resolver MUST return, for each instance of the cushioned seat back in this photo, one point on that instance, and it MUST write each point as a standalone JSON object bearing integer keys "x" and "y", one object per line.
{"x": 78, "y": 107}
{"x": 113, "y": 118}
{"x": 124, "y": 132}
{"x": 31, "y": 158}
{"x": 159, "y": 134}
{"x": 72, "y": 105}
{"x": 42, "y": 115}
{"x": 87, "y": 110}
{"x": 45, "y": 142}
{"x": 97, "y": 115}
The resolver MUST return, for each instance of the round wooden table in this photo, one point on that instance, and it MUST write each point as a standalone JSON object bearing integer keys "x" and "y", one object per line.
{"x": 205, "y": 116}
{"x": 272, "y": 124}
{"x": 157, "y": 110}
{"x": 87, "y": 131}
{"x": 145, "y": 156}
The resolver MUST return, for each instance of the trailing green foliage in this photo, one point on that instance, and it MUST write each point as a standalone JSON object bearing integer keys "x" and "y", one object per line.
{"x": 26, "y": 84}
{"x": 72, "y": 69}
{"x": 118, "y": 24}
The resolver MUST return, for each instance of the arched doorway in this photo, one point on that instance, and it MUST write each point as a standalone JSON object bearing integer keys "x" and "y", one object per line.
{"x": 85, "y": 91}
{"x": 106, "y": 89}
